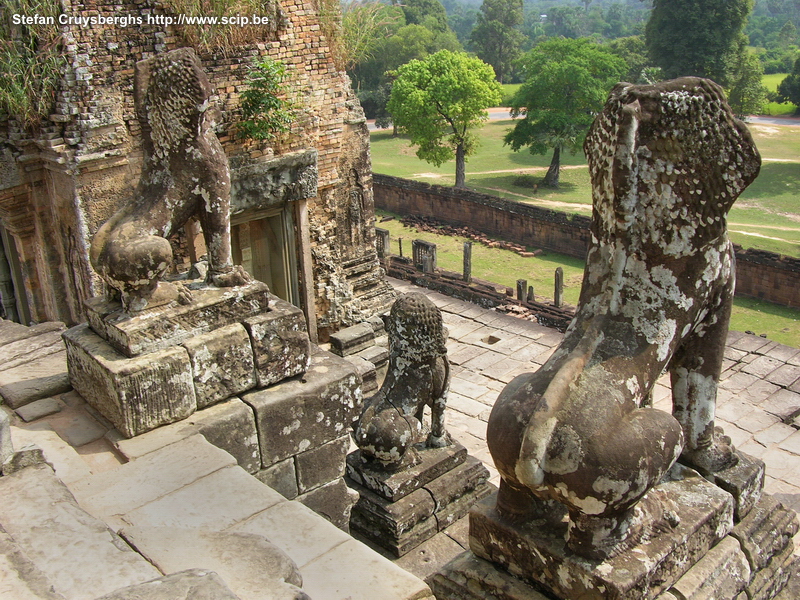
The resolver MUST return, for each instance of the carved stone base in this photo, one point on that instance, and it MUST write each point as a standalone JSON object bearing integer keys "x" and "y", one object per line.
{"x": 398, "y": 511}
{"x": 166, "y": 326}
{"x": 160, "y": 366}
{"x": 650, "y": 566}
{"x": 693, "y": 561}
{"x": 427, "y": 465}
{"x": 744, "y": 481}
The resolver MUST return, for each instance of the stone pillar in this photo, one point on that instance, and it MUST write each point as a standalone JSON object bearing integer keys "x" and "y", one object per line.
{"x": 468, "y": 262}
{"x": 400, "y": 244}
{"x": 382, "y": 242}
{"x": 558, "y": 294}
{"x": 522, "y": 286}
{"x": 424, "y": 255}
{"x": 531, "y": 297}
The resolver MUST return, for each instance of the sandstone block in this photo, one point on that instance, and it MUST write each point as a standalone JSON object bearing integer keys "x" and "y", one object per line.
{"x": 135, "y": 394}
{"x": 297, "y": 530}
{"x": 281, "y": 477}
{"x": 6, "y": 445}
{"x": 744, "y": 481}
{"x": 252, "y": 567}
{"x": 377, "y": 577}
{"x": 302, "y": 413}
{"x": 229, "y": 425}
{"x": 334, "y": 501}
{"x": 468, "y": 577}
{"x": 41, "y": 378}
{"x": 163, "y": 327}
{"x": 722, "y": 573}
{"x": 367, "y": 373}
{"x": 402, "y": 525}
{"x": 766, "y": 531}
{"x": 143, "y": 481}
{"x": 351, "y": 340}
{"x": 704, "y": 516}
{"x": 39, "y": 408}
{"x": 281, "y": 347}
{"x": 394, "y": 485}
{"x": 222, "y": 363}
{"x": 322, "y": 465}
{"x": 196, "y": 583}
{"x": 42, "y": 517}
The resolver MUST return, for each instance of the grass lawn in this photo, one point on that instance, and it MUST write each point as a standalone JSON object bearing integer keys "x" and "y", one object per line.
{"x": 766, "y": 216}
{"x": 771, "y": 82}
{"x": 505, "y": 267}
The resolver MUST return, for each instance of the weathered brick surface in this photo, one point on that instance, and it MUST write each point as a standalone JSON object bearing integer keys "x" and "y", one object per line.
{"x": 92, "y": 157}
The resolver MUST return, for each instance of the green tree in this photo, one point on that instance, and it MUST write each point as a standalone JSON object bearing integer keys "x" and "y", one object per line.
{"x": 789, "y": 88}
{"x": 438, "y": 101}
{"x": 496, "y": 38}
{"x": 420, "y": 12}
{"x": 566, "y": 83}
{"x": 747, "y": 95}
{"x": 633, "y": 51}
{"x": 697, "y": 37}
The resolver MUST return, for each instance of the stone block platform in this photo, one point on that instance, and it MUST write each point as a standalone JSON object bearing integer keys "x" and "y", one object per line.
{"x": 160, "y": 366}
{"x": 399, "y": 510}
{"x": 536, "y": 552}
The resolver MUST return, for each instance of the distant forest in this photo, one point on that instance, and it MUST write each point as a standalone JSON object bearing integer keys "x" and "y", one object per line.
{"x": 380, "y": 36}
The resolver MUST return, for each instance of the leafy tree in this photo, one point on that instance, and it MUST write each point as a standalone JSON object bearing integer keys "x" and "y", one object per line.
{"x": 438, "y": 100}
{"x": 567, "y": 82}
{"x": 747, "y": 95}
{"x": 789, "y": 88}
{"x": 496, "y": 38}
{"x": 418, "y": 11}
{"x": 462, "y": 21}
{"x": 565, "y": 21}
{"x": 634, "y": 52}
{"x": 697, "y": 37}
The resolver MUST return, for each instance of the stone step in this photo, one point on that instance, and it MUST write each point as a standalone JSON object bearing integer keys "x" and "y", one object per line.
{"x": 192, "y": 485}
{"x": 52, "y": 543}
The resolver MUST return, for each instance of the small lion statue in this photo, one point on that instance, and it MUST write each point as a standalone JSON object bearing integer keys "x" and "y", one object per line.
{"x": 418, "y": 375}
{"x": 667, "y": 161}
{"x": 185, "y": 173}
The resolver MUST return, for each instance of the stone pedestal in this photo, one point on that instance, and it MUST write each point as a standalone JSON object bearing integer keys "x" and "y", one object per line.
{"x": 399, "y": 510}
{"x": 159, "y": 366}
{"x": 701, "y": 552}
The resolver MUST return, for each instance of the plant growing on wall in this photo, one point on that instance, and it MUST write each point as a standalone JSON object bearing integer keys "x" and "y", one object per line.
{"x": 265, "y": 111}
{"x": 30, "y": 61}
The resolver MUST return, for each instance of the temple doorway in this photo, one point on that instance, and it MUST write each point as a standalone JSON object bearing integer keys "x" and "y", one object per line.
{"x": 264, "y": 244}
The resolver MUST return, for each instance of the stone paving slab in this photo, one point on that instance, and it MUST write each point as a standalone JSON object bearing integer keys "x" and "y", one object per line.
{"x": 42, "y": 517}
{"x": 251, "y": 566}
{"x": 215, "y": 501}
{"x": 154, "y": 475}
{"x": 41, "y": 378}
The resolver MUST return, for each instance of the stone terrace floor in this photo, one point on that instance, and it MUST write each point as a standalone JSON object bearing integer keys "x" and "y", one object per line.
{"x": 758, "y": 403}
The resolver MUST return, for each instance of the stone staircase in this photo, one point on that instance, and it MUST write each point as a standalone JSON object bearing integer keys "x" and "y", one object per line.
{"x": 180, "y": 519}
{"x": 187, "y": 505}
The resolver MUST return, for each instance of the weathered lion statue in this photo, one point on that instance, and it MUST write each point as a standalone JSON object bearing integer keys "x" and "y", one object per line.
{"x": 185, "y": 173}
{"x": 667, "y": 162}
{"x": 418, "y": 375}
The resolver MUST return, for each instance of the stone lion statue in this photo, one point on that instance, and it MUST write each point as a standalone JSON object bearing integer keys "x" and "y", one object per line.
{"x": 418, "y": 375}
{"x": 185, "y": 173}
{"x": 667, "y": 162}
